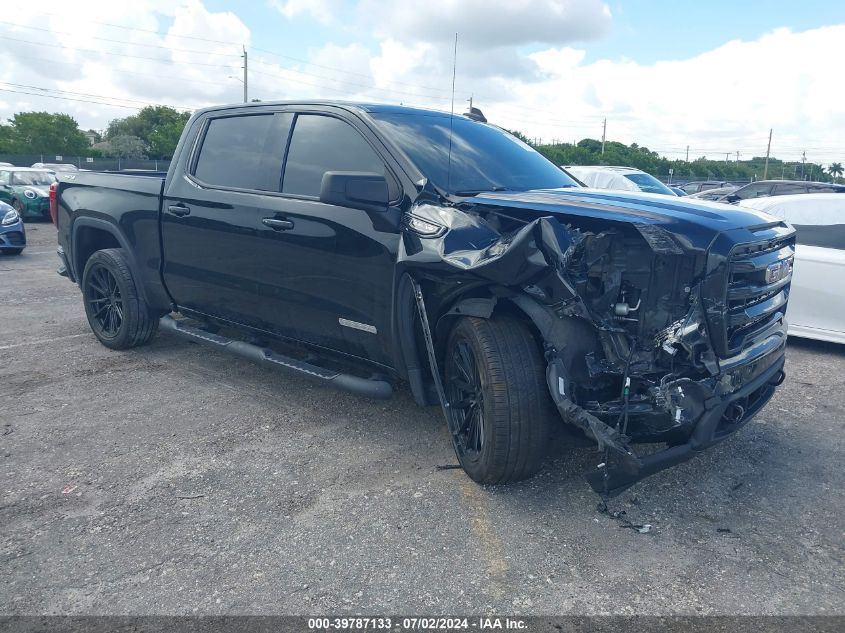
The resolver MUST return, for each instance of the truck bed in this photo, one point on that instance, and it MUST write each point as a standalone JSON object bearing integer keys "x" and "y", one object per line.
{"x": 107, "y": 210}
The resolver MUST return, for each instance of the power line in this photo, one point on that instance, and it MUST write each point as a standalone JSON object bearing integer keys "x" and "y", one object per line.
{"x": 98, "y": 52}
{"x": 87, "y": 94}
{"x": 65, "y": 98}
{"x": 325, "y": 67}
{"x": 45, "y": 92}
{"x": 369, "y": 87}
{"x": 105, "y": 39}
{"x": 135, "y": 28}
{"x": 125, "y": 72}
{"x": 344, "y": 81}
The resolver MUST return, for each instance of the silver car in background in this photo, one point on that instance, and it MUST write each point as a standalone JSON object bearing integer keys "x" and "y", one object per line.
{"x": 817, "y": 297}
{"x": 618, "y": 178}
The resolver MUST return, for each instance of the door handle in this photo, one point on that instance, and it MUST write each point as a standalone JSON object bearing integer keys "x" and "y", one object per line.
{"x": 277, "y": 225}
{"x": 179, "y": 209}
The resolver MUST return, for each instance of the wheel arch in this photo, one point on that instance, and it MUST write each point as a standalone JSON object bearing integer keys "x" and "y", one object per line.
{"x": 571, "y": 337}
{"x": 90, "y": 235}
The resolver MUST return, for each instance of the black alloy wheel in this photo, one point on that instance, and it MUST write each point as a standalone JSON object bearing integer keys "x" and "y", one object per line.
{"x": 117, "y": 312}
{"x": 499, "y": 403}
{"x": 105, "y": 302}
{"x": 466, "y": 397}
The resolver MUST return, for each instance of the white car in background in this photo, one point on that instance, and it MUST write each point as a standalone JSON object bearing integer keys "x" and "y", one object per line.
{"x": 817, "y": 297}
{"x": 618, "y": 178}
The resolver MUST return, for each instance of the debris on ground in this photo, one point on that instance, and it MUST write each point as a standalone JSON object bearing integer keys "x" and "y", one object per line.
{"x": 621, "y": 518}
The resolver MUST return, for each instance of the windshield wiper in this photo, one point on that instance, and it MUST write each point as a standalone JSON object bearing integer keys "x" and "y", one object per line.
{"x": 475, "y": 192}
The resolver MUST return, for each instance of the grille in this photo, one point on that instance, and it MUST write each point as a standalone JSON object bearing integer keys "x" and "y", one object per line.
{"x": 758, "y": 289}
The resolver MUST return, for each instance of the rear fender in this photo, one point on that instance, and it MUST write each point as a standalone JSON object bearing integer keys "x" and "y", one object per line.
{"x": 78, "y": 257}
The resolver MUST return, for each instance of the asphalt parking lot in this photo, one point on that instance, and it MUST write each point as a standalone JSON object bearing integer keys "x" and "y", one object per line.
{"x": 171, "y": 479}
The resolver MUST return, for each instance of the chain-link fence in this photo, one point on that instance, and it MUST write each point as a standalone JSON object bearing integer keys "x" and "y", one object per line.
{"x": 680, "y": 180}
{"x": 86, "y": 162}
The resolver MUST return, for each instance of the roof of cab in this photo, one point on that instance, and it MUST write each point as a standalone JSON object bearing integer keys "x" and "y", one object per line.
{"x": 348, "y": 105}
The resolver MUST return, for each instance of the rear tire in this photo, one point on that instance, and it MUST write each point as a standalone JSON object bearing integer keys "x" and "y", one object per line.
{"x": 116, "y": 311}
{"x": 499, "y": 401}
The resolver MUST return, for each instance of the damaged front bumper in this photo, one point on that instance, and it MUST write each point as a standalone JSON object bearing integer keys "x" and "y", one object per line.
{"x": 726, "y": 403}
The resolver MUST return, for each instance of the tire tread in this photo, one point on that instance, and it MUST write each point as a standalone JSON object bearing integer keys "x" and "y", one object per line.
{"x": 141, "y": 324}
{"x": 521, "y": 405}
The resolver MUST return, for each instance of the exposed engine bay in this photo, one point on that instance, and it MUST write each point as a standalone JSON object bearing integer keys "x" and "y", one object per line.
{"x": 622, "y": 310}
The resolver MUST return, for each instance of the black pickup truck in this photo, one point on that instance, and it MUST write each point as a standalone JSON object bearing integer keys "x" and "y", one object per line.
{"x": 366, "y": 246}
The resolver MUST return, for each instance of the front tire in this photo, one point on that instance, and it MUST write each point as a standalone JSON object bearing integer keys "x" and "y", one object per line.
{"x": 499, "y": 405}
{"x": 12, "y": 251}
{"x": 116, "y": 311}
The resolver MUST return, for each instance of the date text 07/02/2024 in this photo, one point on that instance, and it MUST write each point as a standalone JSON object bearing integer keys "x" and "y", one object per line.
{"x": 415, "y": 623}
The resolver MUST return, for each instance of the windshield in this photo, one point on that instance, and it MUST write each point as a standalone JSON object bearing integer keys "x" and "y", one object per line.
{"x": 484, "y": 157}
{"x": 649, "y": 184}
{"x": 32, "y": 178}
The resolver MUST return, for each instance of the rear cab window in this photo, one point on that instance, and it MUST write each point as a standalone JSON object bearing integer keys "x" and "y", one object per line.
{"x": 244, "y": 151}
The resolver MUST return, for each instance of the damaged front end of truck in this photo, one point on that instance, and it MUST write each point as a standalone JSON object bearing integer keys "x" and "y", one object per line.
{"x": 655, "y": 331}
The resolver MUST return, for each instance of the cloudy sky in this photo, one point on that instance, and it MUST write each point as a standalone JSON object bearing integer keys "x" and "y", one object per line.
{"x": 714, "y": 76}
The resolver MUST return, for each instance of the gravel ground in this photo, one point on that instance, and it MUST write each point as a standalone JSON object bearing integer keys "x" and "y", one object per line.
{"x": 175, "y": 480}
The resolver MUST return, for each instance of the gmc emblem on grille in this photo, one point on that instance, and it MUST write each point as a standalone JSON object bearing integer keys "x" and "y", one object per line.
{"x": 777, "y": 271}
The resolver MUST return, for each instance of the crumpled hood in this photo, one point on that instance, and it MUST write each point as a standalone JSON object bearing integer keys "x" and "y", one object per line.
{"x": 694, "y": 224}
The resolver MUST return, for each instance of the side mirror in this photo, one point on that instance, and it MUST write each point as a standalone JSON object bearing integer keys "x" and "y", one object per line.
{"x": 355, "y": 189}
{"x": 731, "y": 197}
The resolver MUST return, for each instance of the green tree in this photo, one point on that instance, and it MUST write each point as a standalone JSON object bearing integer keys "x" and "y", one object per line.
{"x": 519, "y": 135}
{"x": 7, "y": 139}
{"x": 126, "y": 146}
{"x": 835, "y": 169}
{"x": 43, "y": 133}
{"x": 158, "y": 127}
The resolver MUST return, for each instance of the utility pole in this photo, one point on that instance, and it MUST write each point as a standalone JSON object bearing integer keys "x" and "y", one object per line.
{"x": 687, "y": 153}
{"x": 768, "y": 149}
{"x": 246, "y": 78}
{"x": 603, "y": 133}
{"x": 727, "y": 155}
{"x": 737, "y": 155}
{"x": 803, "y": 158}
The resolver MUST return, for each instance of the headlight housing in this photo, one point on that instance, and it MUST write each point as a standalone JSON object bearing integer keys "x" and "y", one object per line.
{"x": 10, "y": 218}
{"x": 29, "y": 193}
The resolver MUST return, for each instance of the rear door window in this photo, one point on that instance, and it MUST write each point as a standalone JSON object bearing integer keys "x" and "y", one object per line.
{"x": 244, "y": 152}
{"x": 323, "y": 143}
{"x": 753, "y": 191}
{"x": 789, "y": 188}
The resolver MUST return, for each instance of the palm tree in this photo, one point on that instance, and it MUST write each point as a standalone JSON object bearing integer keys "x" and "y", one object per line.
{"x": 835, "y": 169}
